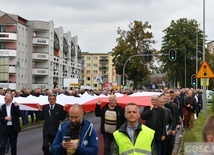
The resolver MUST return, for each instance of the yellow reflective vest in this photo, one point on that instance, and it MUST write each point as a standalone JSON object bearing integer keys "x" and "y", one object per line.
{"x": 142, "y": 145}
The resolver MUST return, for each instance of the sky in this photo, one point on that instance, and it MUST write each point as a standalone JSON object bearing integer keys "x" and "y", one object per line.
{"x": 95, "y": 22}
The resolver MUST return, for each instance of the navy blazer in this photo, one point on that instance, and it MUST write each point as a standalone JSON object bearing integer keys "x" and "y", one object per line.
{"x": 15, "y": 114}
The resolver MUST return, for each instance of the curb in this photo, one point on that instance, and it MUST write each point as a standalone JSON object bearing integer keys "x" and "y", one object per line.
{"x": 31, "y": 127}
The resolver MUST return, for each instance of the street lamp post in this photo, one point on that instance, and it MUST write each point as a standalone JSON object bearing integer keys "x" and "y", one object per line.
{"x": 196, "y": 59}
{"x": 196, "y": 53}
{"x": 204, "y": 80}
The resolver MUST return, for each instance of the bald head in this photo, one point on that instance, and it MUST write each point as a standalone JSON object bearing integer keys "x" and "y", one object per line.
{"x": 76, "y": 115}
{"x": 76, "y": 107}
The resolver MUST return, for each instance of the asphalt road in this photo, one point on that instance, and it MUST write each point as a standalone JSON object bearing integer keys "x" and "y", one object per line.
{"x": 30, "y": 141}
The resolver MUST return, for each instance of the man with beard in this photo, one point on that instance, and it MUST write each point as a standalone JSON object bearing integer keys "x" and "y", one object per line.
{"x": 77, "y": 136}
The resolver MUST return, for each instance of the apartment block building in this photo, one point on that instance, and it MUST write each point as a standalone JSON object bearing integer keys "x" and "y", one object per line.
{"x": 34, "y": 54}
{"x": 210, "y": 46}
{"x": 99, "y": 66}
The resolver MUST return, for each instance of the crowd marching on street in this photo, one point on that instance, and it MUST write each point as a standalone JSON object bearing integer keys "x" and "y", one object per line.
{"x": 125, "y": 130}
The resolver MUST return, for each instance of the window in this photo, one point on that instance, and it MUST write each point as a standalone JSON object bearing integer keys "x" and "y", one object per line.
{"x": 95, "y": 58}
{"x": 4, "y": 69}
{"x": 88, "y": 71}
{"x": 88, "y": 58}
{"x": 88, "y": 78}
{"x": 2, "y": 45}
{"x": 88, "y": 65}
{"x": 95, "y": 71}
{"x": 95, "y": 85}
{"x": 3, "y": 28}
{"x": 95, "y": 65}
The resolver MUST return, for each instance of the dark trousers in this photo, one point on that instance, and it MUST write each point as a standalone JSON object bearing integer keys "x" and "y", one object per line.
{"x": 158, "y": 146}
{"x": 164, "y": 146}
{"x": 47, "y": 142}
{"x": 8, "y": 145}
{"x": 12, "y": 135}
{"x": 171, "y": 143}
{"x": 108, "y": 139}
{"x": 26, "y": 114}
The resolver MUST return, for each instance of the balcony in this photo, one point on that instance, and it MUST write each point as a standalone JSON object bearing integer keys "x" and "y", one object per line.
{"x": 66, "y": 57}
{"x": 40, "y": 56}
{"x": 40, "y": 71}
{"x": 12, "y": 69}
{"x": 103, "y": 68}
{"x": 7, "y": 36}
{"x": 8, "y": 85}
{"x": 8, "y": 52}
{"x": 103, "y": 61}
{"x": 42, "y": 86}
{"x": 41, "y": 41}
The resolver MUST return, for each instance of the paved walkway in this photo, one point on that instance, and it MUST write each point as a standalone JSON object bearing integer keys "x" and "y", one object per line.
{"x": 179, "y": 136}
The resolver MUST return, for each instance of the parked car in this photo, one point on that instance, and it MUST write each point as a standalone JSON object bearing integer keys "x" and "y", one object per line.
{"x": 209, "y": 94}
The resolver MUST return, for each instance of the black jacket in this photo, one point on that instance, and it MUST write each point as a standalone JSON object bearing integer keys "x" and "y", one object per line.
{"x": 15, "y": 114}
{"x": 159, "y": 124}
{"x": 100, "y": 112}
{"x": 51, "y": 120}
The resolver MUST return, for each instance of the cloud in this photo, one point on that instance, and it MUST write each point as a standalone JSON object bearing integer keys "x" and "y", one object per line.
{"x": 95, "y": 22}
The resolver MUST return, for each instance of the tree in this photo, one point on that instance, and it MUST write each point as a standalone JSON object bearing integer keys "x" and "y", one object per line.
{"x": 136, "y": 40}
{"x": 181, "y": 36}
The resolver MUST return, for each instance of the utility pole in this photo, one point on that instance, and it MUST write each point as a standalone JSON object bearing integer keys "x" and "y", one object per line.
{"x": 204, "y": 80}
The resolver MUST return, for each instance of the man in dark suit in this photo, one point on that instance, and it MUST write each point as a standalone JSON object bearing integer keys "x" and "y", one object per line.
{"x": 52, "y": 114}
{"x": 155, "y": 119}
{"x": 10, "y": 124}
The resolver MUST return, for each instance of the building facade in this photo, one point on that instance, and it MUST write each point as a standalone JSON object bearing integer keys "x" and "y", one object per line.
{"x": 210, "y": 47}
{"x": 99, "y": 72}
{"x": 34, "y": 54}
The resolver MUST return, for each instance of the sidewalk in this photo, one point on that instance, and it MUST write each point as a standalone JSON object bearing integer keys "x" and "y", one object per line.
{"x": 179, "y": 136}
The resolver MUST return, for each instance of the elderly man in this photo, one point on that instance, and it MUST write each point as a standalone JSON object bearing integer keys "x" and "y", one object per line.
{"x": 76, "y": 136}
{"x": 155, "y": 119}
{"x": 112, "y": 117}
{"x": 52, "y": 114}
{"x": 189, "y": 106}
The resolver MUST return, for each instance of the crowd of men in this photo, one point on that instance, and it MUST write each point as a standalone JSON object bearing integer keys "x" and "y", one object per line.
{"x": 172, "y": 110}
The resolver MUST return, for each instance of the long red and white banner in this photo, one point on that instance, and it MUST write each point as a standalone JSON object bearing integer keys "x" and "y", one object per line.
{"x": 87, "y": 101}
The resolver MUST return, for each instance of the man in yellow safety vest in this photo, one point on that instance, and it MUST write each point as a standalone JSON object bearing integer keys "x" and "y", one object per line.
{"x": 133, "y": 137}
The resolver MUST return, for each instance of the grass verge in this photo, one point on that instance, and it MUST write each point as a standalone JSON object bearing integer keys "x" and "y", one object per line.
{"x": 195, "y": 135}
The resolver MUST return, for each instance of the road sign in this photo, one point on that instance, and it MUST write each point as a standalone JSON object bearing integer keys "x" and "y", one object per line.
{"x": 205, "y": 71}
{"x": 206, "y": 81}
